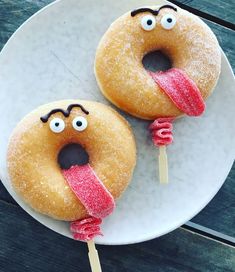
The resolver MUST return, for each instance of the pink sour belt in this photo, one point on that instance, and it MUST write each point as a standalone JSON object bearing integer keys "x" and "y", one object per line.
{"x": 181, "y": 90}
{"x": 97, "y": 200}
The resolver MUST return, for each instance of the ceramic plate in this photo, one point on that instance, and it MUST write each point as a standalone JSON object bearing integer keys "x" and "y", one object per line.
{"x": 50, "y": 57}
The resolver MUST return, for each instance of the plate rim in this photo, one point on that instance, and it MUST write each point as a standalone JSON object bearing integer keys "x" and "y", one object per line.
{"x": 27, "y": 208}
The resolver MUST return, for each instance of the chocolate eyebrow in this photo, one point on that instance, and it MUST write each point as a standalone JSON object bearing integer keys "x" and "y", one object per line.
{"x": 140, "y": 10}
{"x": 167, "y": 6}
{"x": 154, "y": 12}
{"x": 66, "y": 113}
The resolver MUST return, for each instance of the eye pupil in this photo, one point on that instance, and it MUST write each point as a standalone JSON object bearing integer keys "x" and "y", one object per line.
{"x": 79, "y": 123}
{"x": 57, "y": 124}
{"x": 169, "y": 20}
{"x": 149, "y": 22}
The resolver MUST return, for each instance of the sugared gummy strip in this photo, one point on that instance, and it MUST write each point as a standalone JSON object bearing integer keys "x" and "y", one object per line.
{"x": 86, "y": 229}
{"x": 97, "y": 200}
{"x": 181, "y": 90}
{"x": 161, "y": 130}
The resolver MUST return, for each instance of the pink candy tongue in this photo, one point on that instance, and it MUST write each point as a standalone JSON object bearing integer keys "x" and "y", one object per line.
{"x": 181, "y": 90}
{"x": 90, "y": 190}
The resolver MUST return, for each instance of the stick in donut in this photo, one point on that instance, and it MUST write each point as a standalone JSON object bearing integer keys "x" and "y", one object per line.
{"x": 196, "y": 60}
{"x": 83, "y": 194}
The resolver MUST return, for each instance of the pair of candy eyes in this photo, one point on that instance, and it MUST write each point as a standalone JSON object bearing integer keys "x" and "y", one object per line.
{"x": 79, "y": 123}
{"x": 148, "y": 22}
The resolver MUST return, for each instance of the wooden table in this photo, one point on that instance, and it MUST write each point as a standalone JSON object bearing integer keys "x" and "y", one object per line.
{"x": 206, "y": 243}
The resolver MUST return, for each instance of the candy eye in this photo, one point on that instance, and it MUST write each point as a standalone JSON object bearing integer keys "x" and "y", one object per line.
{"x": 80, "y": 123}
{"x": 57, "y": 125}
{"x": 168, "y": 21}
{"x": 148, "y": 22}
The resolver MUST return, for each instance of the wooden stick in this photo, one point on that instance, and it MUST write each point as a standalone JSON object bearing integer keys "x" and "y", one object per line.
{"x": 93, "y": 257}
{"x": 163, "y": 165}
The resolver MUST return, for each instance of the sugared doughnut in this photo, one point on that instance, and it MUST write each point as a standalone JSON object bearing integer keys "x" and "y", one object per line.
{"x": 184, "y": 37}
{"x": 82, "y": 191}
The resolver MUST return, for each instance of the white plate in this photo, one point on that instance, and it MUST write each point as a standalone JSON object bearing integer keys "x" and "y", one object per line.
{"x": 51, "y": 57}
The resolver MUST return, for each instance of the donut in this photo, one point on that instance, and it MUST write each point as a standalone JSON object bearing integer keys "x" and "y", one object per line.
{"x": 189, "y": 43}
{"x": 85, "y": 191}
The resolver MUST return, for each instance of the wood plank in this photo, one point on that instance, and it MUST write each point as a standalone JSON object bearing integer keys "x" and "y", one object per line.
{"x": 33, "y": 247}
{"x": 226, "y": 38}
{"x": 14, "y": 13}
{"x": 209, "y": 233}
{"x": 219, "y": 8}
{"x": 5, "y": 196}
{"x": 219, "y": 213}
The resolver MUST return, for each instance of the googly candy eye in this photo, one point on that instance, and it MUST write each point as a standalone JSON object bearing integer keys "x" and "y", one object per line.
{"x": 79, "y": 123}
{"x": 148, "y": 22}
{"x": 168, "y": 21}
{"x": 57, "y": 125}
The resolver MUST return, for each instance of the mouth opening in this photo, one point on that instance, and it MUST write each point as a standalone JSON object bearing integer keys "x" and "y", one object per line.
{"x": 71, "y": 155}
{"x": 156, "y": 61}
{"x": 83, "y": 181}
{"x": 175, "y": 83}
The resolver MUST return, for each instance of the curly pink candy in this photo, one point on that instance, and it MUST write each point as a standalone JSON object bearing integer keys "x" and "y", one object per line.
{"x": 86, "y": 229}
{"x": 161, "y": 130}
{"x": 92, "y": 193}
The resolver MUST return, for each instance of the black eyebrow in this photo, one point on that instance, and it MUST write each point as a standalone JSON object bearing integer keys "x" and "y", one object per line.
{"x": 66, "y": 113}
{"x": 154, "y": 12}
{"x": 140, "y": 10}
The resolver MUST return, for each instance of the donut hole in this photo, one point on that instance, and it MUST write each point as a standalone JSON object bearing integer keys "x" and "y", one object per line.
{"x": 72, "y": 154}
{"x": 156, "y": 61}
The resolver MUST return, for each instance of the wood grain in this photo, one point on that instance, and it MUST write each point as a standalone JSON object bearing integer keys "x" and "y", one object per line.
{"x": 32, "y": 247}
{"x": 14, "y": 13}
{"x": 219, "y": 8}
{"x": 5, "y": 196}
{"x": 226, "y": 38}
{"x": 219, "y": 213}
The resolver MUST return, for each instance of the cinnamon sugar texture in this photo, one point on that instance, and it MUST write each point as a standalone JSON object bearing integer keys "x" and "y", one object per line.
{"x": 33, "y": 150}
{"x": 190, "y": 44}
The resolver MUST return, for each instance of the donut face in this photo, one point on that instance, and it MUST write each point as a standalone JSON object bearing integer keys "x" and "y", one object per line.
{"x": 185, "y": 38}
{"x": 38, "y": 139}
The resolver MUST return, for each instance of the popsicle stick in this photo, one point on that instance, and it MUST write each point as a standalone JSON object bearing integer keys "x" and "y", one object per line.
{"x": 93, "y": 257}
{"x": 163, "y": 165}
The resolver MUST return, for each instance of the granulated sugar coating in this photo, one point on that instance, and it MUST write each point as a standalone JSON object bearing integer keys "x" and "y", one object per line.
{"x": 122, "y": 78}
{"x": 33, "y": 150}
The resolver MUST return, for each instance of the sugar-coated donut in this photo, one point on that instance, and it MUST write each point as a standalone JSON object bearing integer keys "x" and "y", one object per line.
{"x": 184, "y": 37}
{"x": 33, "y": 158}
